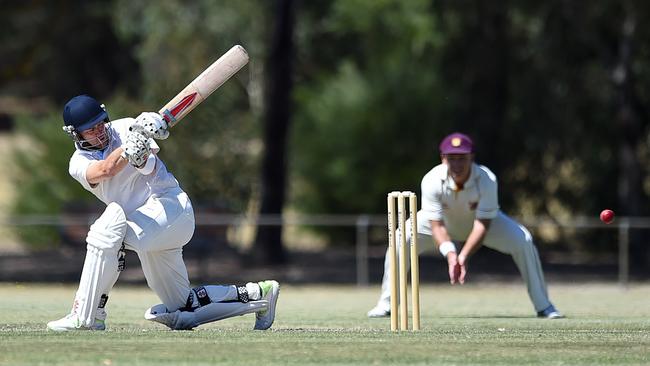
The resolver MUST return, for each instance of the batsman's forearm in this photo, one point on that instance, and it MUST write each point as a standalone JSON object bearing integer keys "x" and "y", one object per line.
{"x": 107, "y": 168}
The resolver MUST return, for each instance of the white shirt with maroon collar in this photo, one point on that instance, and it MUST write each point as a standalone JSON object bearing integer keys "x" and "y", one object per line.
{"x": 443, "y": 201}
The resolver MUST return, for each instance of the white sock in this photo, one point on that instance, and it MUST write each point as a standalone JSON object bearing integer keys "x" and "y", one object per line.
{"x": 254, "y": 291}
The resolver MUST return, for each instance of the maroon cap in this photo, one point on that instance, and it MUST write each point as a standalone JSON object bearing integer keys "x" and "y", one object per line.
{"x": 457, "y": 143}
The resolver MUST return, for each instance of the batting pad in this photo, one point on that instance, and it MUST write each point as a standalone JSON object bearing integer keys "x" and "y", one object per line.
{"x": 179, "y": 320}
{"x": 100, "y": 269}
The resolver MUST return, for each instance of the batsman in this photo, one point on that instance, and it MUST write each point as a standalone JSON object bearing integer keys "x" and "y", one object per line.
{"x": 146, "y": 212}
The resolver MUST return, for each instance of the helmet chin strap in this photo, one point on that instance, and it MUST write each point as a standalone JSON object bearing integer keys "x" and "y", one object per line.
{"x": 85, "y": 145}
{"x": 97, "y": 143}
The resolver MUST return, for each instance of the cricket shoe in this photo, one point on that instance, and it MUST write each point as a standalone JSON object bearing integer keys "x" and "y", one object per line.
{"x": 550, "y": 313}
{"x": 380, "y": 311}
{"x": 270, "y": 292}
{"x": 72, "y": 322}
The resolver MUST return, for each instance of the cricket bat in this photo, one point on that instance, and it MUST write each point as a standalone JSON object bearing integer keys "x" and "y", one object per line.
{"x": 206, "y": 83}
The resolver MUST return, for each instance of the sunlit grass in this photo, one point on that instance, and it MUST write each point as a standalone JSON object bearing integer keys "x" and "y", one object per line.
{"x": 473, "y": 324}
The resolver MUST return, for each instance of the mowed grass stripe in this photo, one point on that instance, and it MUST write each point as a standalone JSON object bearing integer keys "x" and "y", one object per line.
{"x": 482, "y": 324}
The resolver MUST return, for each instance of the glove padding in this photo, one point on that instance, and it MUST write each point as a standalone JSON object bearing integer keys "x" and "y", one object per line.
{"x": 150, "y": 125}
{"x": 136, "y": 149}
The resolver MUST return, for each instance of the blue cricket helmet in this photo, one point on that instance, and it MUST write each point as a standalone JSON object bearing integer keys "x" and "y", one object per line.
{"x": 83, "y": 112}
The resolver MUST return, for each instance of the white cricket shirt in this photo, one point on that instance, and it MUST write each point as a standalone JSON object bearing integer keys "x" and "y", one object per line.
{"x": 442, "y": 201}
{"x": 129, "y": 188}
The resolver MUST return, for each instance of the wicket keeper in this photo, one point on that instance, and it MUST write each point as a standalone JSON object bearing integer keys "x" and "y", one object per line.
{"x": 460, "y": 205}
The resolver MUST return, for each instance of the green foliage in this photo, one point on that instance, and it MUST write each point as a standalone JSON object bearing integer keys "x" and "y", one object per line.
{"x": 60, "y": 49}
{"x": 214, "y": 151}
{"x": 45, "y": 185}
{"x": 532, "y": 84}
{"x": 369, "y": 124}
{"x": 378, "y": 83}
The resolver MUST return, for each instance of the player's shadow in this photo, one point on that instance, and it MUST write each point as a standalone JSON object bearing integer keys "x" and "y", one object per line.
{"x": 491, "y": 316}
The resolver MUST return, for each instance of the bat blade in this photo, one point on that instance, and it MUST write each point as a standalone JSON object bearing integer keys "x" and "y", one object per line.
{"x": 204, "y": 84}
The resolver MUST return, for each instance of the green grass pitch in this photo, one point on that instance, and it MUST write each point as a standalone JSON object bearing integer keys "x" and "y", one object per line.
{"x": 476, "y": 324}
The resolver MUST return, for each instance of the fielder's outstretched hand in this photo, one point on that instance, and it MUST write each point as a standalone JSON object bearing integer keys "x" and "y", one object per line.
{"x": 456, "y": 272}
{"x": 151, "y": 125}
{"x": 462, "y": 264}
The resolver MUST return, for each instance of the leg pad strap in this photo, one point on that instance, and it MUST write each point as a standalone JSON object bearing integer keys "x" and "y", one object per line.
{"x": 242, "y": 294}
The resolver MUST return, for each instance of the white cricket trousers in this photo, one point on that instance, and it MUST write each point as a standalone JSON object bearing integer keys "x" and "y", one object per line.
{"x": 504, "y": 235}
{"x": 157, "y": 232}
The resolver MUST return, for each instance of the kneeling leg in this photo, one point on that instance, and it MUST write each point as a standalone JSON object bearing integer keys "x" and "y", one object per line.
{"x": 207, "y": 304}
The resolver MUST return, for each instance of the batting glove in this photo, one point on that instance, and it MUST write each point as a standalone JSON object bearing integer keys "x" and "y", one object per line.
{"x": 151, "y": 125}
{"x": 136, "y": 149}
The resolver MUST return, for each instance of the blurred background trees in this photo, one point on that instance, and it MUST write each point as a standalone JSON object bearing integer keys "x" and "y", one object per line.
{"x": 554, "y": 93}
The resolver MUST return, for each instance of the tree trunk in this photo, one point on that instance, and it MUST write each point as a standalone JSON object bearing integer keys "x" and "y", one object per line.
{"x": 268, "y": 248}
{"x": 487, "y": 93}
{"x": 630, "y": 190}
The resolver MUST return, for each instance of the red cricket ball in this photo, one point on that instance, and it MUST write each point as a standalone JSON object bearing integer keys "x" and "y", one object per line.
{"x": 607, "y": 216}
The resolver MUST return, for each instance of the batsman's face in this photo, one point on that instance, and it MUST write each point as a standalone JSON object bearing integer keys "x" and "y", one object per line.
{"x": 459, "y": 166}
{"x": 96, "y": 137}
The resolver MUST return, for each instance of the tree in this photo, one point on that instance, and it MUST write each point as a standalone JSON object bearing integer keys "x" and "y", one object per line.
{"x": 629, "y": 112}
{"x": 268, "y": 244}
{"x": 213, "y": 152}
{"x": 482, "y": 92}
{"x": 370, "y": 105}
{"x": 58, "y": 50}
